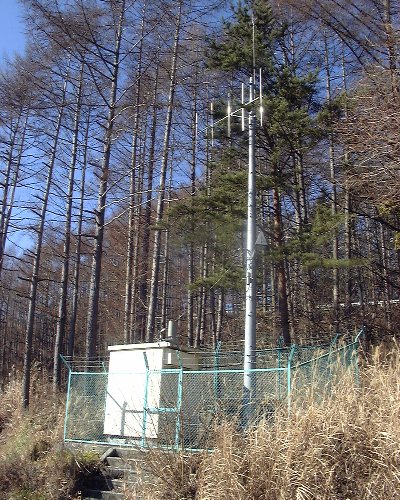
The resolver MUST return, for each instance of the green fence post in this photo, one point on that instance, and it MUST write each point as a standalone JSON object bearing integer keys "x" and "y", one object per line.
{"x": 289, "y": 375}
{"x": 146, "y": 387}
{"x": 216, "y": 369}
{"x": 178, "y": 409}
{"x": 178, "y": 402}
{"x": 67, "y": 405}
{"x": 279, "y": 373}
{"x": 280, "y": 346}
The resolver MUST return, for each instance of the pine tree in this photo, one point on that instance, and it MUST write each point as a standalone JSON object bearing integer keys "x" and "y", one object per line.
{"x": 255, "y": 39}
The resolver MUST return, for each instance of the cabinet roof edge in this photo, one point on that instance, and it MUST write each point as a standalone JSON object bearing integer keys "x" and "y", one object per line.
{"x": 152, "y": 345}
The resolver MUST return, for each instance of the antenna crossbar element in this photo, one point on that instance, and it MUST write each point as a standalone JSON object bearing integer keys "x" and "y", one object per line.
{"x": 238, "y": 112}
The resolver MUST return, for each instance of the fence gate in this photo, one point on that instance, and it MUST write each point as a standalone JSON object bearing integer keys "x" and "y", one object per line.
{"x": 162, "y": 407}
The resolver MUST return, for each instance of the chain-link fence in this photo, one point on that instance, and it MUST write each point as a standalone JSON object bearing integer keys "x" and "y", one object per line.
{"x": 181, "y": 409}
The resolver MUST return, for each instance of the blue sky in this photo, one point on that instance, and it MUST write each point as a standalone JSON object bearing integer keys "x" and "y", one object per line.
{"x": 12, "y": 37}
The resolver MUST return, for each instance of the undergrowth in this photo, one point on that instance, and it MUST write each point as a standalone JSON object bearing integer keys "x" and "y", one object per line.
{"x": 33, "y": 463}
{"x": 346, "y": 447}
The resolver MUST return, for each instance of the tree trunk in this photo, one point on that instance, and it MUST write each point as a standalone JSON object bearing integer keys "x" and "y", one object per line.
{"x": 391, "y": 44}
{"x": 152, "y": 308}
{"x": 220, "y": 316}
{"x": 62, "y": 309}
{"x": 36, "y": 259}
{"x": 143, "y": 284}
{"x": 201, "y": 306}
{"x": 348, "y": 225}
{"x": 133, "y": 326}
{"x": 10, "y": 183}
{"x": 76, "y": 277}
{"x": 132, "y": 197}
{"x": 385, "y": 276}
{"x": 280, "y": 265}
{"x": 332, "y": 168}
{"x": 191, "y": 269}
{"x": 93, "y": 307}
{"x": 165, "y": 280}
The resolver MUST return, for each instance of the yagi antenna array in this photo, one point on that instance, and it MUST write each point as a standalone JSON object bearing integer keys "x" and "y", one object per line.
{"x": 261, "y": 109}
{"x": 241, "y": 111}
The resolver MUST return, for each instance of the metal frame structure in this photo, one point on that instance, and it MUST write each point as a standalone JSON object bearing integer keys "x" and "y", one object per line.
{"x": 194, "y": 402}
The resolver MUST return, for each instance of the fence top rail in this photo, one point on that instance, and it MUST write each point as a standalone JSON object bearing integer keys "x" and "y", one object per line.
{"x": 269, "y": 350}
{"x": 166, "y": 371}
{"x": 75, "y": 364}
{"x": 338, "y": 350}
{"x": 98, "y": 366}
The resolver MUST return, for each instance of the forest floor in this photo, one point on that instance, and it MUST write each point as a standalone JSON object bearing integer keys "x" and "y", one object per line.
{"x": 345, "y": 447}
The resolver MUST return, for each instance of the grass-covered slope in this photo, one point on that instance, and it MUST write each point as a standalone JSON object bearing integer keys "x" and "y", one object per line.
{"x": 33, "y": 462}
{"x": 345, "y": 447}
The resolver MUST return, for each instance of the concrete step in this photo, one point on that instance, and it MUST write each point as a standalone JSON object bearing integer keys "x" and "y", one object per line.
{"x": 131, "y": 463}
{"x": 131, "y": 453}
{"x": 129, "y": 469}
{"x": 118, "y": 468}
{"x": 120, "y": 485}
{"x": 103, "y": 495}
{"x": 122, "y": 468}
{"x": 116, "y": 477}
{"x": 116, "y": 473}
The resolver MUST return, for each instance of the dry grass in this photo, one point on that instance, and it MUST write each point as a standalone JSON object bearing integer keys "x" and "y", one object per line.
{"x": 346, "y": 447}
{"x": 33, "y": 463}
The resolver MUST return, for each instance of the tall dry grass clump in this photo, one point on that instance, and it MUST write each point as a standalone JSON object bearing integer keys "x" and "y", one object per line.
{"x": 33, "y": 463}
{"x": 346, "y": 446}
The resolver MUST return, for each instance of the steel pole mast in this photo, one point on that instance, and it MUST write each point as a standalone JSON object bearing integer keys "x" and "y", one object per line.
{"x": 249, "y": 385}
